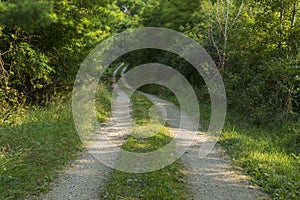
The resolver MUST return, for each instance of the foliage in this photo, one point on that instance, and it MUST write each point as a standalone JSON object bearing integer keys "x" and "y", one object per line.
{"x": 255, "y": 47}
{"x": 27, "y": 14}
{"x": 255, "y": 44}
{"x": 43, "y": 44}
{"x": 174, "y": 14}
{"x": 270, "y": 91}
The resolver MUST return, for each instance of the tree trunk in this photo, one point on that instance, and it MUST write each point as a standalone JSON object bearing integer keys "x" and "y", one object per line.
{"x": 294, "y": 14}
{"x": 281, "y": 14}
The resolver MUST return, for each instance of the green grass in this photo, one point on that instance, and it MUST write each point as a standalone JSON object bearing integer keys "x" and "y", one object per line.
{"x": 36, "y": 144}
{"x": 167, "y": 183}
{"x": 270, "y": 155}
{"x": 43, "y": 140}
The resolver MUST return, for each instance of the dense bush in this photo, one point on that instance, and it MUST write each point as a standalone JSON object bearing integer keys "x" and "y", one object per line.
{"x": 42, "y": 44}
{"x": 266, "y": 92}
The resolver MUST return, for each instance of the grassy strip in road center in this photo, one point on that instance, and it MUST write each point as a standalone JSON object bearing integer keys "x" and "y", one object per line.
{"x": 167, "y": 183}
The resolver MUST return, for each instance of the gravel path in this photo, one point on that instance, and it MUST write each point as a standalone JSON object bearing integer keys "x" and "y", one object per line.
{"x": 208, "y": 178}
{"x": 82, "y": 179}
{"x": 213, "y": 177}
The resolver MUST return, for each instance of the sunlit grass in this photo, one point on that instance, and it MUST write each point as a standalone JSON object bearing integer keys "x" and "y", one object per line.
{"x": 44, "y": 140}
{"x": 270, "y": 156}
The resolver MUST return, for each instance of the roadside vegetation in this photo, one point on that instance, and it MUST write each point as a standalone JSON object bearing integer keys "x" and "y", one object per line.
{"x": 39, "y": 141}
{"x": 270, "y": 155}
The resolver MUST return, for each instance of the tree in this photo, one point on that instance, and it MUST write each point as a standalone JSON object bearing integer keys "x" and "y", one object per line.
{"x": 44, "y": 42}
